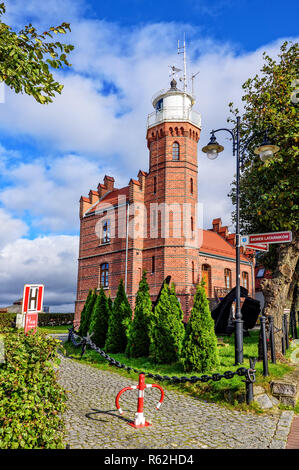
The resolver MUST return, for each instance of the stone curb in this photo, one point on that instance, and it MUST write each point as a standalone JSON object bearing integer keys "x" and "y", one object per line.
{"x": 280, "y": 438}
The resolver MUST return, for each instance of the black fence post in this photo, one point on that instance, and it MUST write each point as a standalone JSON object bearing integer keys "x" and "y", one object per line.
{"x": 286, "y": 330}
{"x": 295, "y": 324}
{"x": 283, "y": 338}
{"x": 272, "y": 340}
{"x": 292, "y": 324}
{"x": 264, "y": 346}
{"x": 250, "y": 379}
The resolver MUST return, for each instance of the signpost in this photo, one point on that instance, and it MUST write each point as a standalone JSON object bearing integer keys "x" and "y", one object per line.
{"x": 32, "y": 304}
{"x": 260, "y": 247}
{"x": 262, "y": 238}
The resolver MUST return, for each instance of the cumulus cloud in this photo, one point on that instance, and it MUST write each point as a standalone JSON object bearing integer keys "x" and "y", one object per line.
{"x": 11, "y": 228}
{"x": 97, "y": 127}
{"x": 47, "y": 260}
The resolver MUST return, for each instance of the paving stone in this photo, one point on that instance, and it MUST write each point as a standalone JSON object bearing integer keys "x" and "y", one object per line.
{"x": 93, "y": 422}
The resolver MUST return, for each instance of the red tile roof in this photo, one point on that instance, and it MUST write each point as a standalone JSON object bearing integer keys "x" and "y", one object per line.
{"x": 110, "y": 198}
{"x": 216, "y": 245}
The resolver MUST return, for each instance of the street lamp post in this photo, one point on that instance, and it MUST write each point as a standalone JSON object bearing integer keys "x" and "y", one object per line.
{"x": 265, "y": 151}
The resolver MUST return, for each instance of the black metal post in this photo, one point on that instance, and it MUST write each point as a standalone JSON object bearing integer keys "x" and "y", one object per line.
{"x": 238, "y": 316}
{"x": 286, "y": 329}
{"x": 264, "y": 346}
{"x": 271, "y": 337}
{"x": 283, "y": 338}
{"x": 250, "y": 379}
{"x": 293, "y": 324}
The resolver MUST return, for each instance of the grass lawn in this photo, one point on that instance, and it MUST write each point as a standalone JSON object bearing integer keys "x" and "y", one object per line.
{"x": 54, "y": 329}
{"x": 229, "y": 392}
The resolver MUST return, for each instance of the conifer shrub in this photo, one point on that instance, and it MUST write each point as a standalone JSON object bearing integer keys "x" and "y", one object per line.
{"x": 138, "y": 333}
{"x": 166, "y": 328}
{"x": 199, "y": 350}
{"x": 86, "y": 313}
{"x": 119, "y": 320}
{"x": 99, "y": 319}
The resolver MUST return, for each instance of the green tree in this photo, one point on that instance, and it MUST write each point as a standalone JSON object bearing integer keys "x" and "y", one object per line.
{"x": 166, "y": 328}
{"x": 99, "y": 319}
{"x": 138, "y": 333}
{"x": 199, "y": 350}
{"x": 269, "y": 192}
{"x": 87, "y": 312}
{"x": 26, "y": 58}
{"x": 119, "y": 321}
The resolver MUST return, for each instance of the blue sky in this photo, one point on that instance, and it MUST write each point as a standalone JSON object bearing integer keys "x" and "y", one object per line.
{"x": 51, "y": 155}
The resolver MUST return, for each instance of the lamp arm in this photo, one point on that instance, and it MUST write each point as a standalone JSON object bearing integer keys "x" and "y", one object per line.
{"x": 247, "y": 142}
{"x": 231, "y": 133}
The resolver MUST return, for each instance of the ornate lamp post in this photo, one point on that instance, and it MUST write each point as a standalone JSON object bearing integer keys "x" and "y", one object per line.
{"x": 265, "y": 151}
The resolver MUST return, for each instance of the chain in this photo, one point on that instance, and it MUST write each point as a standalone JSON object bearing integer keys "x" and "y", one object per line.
{"x": 241, "y": 371}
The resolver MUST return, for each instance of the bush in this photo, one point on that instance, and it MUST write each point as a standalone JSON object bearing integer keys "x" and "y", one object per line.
{"x": 86, "y": 313}
{"x": 138, "y": 333}
{"x": 199, "y": 351}
{"x": 167, "y": 329}
{"x": 119, "y": 321}
{"x": 55, "y": 319}
{"x": 6, "y": 320}
{"x": 99, "y": 319}
{"x": 30, "y": 397}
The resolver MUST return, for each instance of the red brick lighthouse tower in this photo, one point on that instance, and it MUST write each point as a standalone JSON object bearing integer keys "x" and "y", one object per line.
{"x": 171, "y": 195}
{"x": 150, "y": 224}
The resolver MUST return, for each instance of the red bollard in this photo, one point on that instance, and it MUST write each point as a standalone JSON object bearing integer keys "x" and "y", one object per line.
{"x": 139, "y": 421}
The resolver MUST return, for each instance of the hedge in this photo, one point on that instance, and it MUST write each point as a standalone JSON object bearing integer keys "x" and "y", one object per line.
{"x": 31, "y": 400}
{"x": 44, "y": 319}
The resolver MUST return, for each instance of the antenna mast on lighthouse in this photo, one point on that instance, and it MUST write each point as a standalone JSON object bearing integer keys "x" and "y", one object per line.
{"x": 182, "y": 50}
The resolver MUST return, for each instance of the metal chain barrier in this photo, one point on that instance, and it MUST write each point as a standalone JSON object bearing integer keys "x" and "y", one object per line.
{"x": 249, "y": 373}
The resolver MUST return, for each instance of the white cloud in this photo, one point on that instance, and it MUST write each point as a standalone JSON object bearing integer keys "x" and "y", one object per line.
{"x": 47, "y": 260}
{"x": 92, "y": 134}
{"x": 11, "y": 228}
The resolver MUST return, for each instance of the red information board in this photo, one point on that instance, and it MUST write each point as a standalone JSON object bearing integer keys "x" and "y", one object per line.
{"x": 31, "y": 322}
{"x": 32, "y": 305}
{"x": 274, "y": 237}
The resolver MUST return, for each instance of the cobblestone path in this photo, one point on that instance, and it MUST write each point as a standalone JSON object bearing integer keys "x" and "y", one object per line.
{"x": 92, "y": 421}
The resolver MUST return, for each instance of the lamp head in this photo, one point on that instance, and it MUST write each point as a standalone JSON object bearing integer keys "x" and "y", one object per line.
{"x": 266, "y": 150}
{"x": 213, "y": 148}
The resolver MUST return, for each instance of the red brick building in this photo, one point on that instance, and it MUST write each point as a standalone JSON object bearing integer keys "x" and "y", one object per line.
{"x": 151, "y": 224}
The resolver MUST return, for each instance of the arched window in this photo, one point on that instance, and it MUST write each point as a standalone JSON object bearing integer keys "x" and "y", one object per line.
{"x": 192, "y": 224}
{"x": 206, "y": 275}
{"x": 106, "y": 231}
{"x": 104, "y": 275}
{"x": 176, "y": 151}
{"x": 191, "y": 185}
{"x": 228, "y": 278}
{"x": 155, "y": 184}
{"x": 153, "y": 264}
{"x": 245, "y": 279}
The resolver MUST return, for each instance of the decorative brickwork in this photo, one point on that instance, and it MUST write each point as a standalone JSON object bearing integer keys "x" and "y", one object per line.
{"x": 151, "y": 225}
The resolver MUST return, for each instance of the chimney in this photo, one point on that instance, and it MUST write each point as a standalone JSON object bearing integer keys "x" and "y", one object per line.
{"x": 223, "y": 232}
{"x": 101, "y": 190}
{"x": 93, "y": 196}
{"x": 216, "y": 225}
{"x": 109, "y": 182}
{"x": 141, "y": 178}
